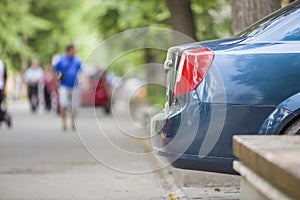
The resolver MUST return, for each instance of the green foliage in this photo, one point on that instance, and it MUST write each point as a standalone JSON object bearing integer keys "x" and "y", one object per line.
{"x": 212, "y": 19}
{"x": 115, "y": 16}
{"x": 41, "y": 28}
{"x": 156, "y": 94}
{"x": 68, "y": 24}
{"x": 17, "y": 23}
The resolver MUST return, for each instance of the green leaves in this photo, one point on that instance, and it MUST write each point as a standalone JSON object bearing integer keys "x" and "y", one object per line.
{"x": 41, "y": 28}
{"x": 16, "y": 26}
{"x": 116, "y": 16}
{"x": 212, "y": 19}
{"x": 68, "y": 24}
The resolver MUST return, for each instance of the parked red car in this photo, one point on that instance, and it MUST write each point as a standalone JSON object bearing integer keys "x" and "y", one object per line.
{"x": 97, "y": 92}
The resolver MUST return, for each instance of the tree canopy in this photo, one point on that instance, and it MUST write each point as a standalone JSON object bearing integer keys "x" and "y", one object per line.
{"x": 40, "y": 28}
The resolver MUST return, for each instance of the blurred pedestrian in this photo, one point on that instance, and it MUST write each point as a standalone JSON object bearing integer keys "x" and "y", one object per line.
{"x": 3, "y": 77}
{"x": 4, "y": 115}
{"x": 33, "y": 77}
{"x": 67, "y": 69}
{"x": 48, "y": 88}
{"x": 55, "y": 60}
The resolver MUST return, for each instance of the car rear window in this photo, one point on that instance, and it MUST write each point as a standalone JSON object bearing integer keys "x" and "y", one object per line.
{"x": 283, "y": 25}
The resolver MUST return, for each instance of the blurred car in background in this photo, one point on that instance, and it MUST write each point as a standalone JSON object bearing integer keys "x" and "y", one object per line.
{"x": 245, "y": 85}
{"x": 96, "y": 91}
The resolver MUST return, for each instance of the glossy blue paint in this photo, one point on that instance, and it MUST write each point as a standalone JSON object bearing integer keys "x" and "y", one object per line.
{"x": 252, "y": 87}
{"x": 257, "y": 74}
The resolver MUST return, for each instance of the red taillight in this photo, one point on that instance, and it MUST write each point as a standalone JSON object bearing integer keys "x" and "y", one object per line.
{"x": 193, "y": 66}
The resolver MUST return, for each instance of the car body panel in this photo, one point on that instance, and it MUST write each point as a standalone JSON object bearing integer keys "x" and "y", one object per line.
{"x": 250, "y": 78}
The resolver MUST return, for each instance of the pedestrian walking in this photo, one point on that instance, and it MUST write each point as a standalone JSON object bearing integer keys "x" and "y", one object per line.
{"x": 33, "y": 77}
{"x": 67, "y": 69}
{"x": 4, "y": 115}
{"x": 48, "y": 88}
{"x": 3, "y": 77}
{"x": 55, "y": 60}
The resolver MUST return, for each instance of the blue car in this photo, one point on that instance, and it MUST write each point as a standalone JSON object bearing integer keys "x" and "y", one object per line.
{"x": 249, "y": 84}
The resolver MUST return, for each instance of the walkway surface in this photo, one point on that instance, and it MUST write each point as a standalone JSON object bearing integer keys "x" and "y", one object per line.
{"x": 40, "y": 161}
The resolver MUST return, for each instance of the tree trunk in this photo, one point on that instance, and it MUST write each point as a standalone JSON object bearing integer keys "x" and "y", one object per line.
{"x": 182, "y": 19}
{"x": 246, "y": 12}
{"x": 24, "y": 64}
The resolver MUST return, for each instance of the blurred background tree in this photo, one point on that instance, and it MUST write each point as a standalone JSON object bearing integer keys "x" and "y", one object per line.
{"x": 40, "y": 28}
{"x": 246, "y": 12}
{"x": 67, "y": 23}
{"x": 17, "y": 24}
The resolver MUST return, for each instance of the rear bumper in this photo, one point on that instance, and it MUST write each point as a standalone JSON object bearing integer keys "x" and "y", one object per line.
{"x": 178, "y": 134}
{"x": 198, "y": 136}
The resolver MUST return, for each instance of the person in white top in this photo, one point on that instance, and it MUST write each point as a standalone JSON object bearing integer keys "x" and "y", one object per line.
{"x": 33, "y": 77}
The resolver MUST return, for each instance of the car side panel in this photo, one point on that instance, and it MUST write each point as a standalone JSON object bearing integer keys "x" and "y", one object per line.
{"x": 258, "y": 74}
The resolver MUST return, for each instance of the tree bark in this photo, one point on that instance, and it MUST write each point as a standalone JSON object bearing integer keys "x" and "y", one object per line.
{"x": 182, "y": 19}
{"x": 246, "y": 12}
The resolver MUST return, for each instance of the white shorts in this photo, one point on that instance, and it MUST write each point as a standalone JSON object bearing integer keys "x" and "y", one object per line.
{"x": 68, "y": 97}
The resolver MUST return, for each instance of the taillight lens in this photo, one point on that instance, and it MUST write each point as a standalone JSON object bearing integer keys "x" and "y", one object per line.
{"x": 193, "y": 66}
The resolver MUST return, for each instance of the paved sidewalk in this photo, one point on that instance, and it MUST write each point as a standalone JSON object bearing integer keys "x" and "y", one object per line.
{"x": 40, "y": 161}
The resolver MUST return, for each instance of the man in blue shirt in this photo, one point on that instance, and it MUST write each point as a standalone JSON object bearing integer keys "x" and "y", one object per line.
{"x": 68, "y": 68}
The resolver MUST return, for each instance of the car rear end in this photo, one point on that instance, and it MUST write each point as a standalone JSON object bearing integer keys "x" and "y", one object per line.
{"x": 179, "y": 130}
{"x": 195, "y": 129}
